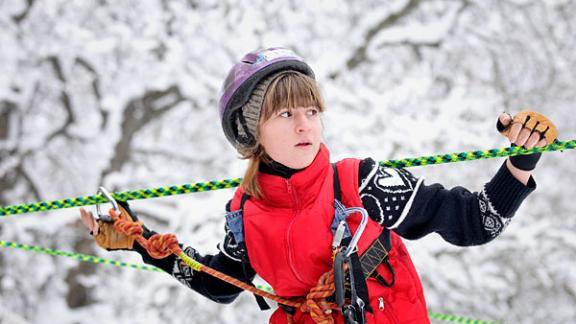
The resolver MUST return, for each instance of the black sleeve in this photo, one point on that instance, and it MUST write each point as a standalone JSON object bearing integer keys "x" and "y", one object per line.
{"x": 399, "y": 201}
{"x": 226, "y": 261}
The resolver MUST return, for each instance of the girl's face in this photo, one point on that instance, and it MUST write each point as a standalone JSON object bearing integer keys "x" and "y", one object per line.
{"x": 292, "y": 137}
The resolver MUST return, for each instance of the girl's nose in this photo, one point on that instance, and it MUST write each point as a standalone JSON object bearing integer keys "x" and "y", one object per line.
{"x": 302, "y": 122}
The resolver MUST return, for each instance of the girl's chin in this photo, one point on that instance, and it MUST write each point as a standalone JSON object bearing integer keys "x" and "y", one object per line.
{"x": 302, "y": 162}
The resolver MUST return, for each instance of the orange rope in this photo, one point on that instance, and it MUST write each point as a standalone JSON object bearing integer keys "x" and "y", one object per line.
{"x": 321, "y": 310}
{"x": 162, "y": 245}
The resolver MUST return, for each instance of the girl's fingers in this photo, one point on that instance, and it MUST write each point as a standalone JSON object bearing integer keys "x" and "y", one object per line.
{"x": 542, "y": 143}
{"x": 505, "y": 119}
{"x": 96, "y": 228}
{"x": 89, "y": 220}
{"x": 532, "y": 140}
{"x": 522, "y": 137}
{"x": 86, "y": 218}
{"x": 514, "y": 132}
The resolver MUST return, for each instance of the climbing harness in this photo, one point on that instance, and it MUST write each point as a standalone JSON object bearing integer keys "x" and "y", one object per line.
{"x": 347, "y": 279}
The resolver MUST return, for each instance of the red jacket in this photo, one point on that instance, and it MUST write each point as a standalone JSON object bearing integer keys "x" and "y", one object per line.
{"x": 288, "y": 240}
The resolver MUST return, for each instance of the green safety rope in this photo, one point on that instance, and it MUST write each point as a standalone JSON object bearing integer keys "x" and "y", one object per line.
{"x": 98, "y": 260}
{"x": 77, "y": 256}
{"x": 458, "y": 319}
{"x": 231, "y": 183}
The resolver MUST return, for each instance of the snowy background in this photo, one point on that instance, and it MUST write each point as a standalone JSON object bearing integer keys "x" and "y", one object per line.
{"x": 124, "y": 94}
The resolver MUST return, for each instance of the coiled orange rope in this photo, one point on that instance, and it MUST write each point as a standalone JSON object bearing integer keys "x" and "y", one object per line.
{"x": 162, "y": 245}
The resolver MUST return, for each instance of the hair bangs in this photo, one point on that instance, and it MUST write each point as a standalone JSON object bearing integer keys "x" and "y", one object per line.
{"x": 291, "y": 90}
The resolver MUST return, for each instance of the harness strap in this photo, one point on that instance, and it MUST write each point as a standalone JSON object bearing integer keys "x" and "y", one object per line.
{"x": 381, "y": 279}
{"x": 337, "y": 189}
{"x": 245, "y": 261}
{"x": 376, "y": 253}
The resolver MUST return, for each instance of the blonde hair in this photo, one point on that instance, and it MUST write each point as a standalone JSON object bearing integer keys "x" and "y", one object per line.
{"x": 290, "y": 90}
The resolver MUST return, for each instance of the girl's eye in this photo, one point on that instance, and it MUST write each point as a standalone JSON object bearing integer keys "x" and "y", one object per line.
{"x": 285, "y": 114}
{"x": 313, "y": 112}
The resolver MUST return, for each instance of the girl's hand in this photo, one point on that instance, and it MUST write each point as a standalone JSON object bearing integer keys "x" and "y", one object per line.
{"x": 104, "y": 232}
{"x": 89, "y": 221}
{"x": 520, "y": 135}
{"x": 528, "y": 129}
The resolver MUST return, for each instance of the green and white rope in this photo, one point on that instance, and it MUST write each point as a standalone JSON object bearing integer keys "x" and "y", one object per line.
{"x": 457, "y": 319}
{"x": 121, "y": 264}
{"x": 77, "y": 256}
{"x": 231, "y": 183}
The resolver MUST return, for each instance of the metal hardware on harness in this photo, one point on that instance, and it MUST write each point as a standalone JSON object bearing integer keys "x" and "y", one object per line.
{"x": 107, "y": 195}
{"x": 353, "y": 246}
{"x": 353, "y": 313}
{"x": 350, "y": 315}
{"x": 337, "y": 240}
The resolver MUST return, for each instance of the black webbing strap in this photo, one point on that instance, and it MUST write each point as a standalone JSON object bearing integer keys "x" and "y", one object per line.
{"x": 243, "y": 200}
{"x": 360, "y": 281}
{"x": 337, "y": 190}
{"x": 259, "y": 299}
{"x": 376, "y": 253}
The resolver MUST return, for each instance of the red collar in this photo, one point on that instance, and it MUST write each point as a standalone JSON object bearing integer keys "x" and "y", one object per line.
{"x": 301, "y": 189}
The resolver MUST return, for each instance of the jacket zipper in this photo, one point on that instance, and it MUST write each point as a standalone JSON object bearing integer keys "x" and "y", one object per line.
{"x": 296, "y": 209}
{"x": 294, "y": 196}
{"x": 387, "y": 311}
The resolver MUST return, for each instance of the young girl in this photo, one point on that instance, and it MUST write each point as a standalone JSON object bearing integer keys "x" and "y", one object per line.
{"x": 288, "y": 222}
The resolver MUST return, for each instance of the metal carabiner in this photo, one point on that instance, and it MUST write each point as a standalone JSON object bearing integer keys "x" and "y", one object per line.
{"x": 360, "y": 319}
{"x": 105, "y": 217}
{"x": 350, "y": 315}
{"x": 354, "y": 313}
{"x": 353, "y": 246}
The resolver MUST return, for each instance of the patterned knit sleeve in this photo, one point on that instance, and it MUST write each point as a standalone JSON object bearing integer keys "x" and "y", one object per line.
{"x": 401, "y": 202}
{"x": 226, "y": 261}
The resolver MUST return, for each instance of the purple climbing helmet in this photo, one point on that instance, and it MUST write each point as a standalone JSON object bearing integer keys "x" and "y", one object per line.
{"x": 245, "y": 76}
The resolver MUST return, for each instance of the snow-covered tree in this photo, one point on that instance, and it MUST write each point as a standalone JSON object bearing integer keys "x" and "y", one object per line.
{"x": 124, "y": 94}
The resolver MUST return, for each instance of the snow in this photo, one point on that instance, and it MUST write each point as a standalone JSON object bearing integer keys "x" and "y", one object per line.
{"x": 405, "y": 99}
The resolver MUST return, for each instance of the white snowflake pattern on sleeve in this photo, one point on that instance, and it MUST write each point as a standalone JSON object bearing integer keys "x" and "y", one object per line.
{"x": 182, "y": 271}
{"x": 388, "y": 193}
{"x": 493, "y": 222}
